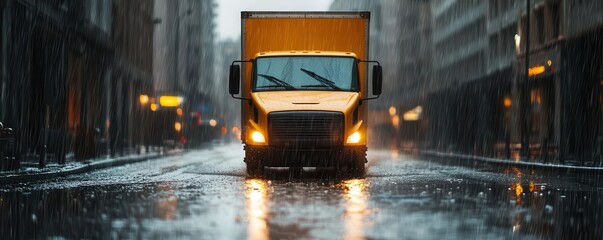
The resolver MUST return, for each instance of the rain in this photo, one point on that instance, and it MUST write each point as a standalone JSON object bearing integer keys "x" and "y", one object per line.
{"x": 316, "y": 119}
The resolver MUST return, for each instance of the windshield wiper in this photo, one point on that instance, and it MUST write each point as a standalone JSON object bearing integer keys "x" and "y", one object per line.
{"x": 321, "y": 79}
{"x": 277, "y": 81}
{"x": 316, "y": 86}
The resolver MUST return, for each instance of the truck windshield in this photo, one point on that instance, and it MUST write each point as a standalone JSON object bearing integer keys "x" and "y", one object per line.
{"x": 305, "y": 73}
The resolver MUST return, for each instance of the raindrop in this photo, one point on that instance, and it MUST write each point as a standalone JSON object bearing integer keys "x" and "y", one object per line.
{"x": 548, "y": 208}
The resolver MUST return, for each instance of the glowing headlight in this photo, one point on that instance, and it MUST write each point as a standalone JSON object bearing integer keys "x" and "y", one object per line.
{"x": 354, "y": 138}
{"x": 258, "y": 137}
{"x": 177, "y": 126}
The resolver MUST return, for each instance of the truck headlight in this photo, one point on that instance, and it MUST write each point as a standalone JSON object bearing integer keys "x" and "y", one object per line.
{"x": 354, "y": 138}
{"x": 258, "y": 137}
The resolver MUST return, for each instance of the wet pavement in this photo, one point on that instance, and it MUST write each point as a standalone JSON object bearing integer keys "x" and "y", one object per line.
{"x": 205, "y": 194}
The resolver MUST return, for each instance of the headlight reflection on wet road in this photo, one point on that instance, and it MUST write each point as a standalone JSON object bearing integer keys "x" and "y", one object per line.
{"x": 256, "y": 208}
{"x": 355, "y": 196}
{"x": 167, "y": 203}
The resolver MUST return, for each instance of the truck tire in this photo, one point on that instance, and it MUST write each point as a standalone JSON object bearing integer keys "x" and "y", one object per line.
{"x": 355, "y": 166}
{"x": 255, "y": 167}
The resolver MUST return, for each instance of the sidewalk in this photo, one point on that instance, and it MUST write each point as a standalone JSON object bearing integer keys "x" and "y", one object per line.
{"x": 472, "y": 160}
{"x": 30, "y": 172}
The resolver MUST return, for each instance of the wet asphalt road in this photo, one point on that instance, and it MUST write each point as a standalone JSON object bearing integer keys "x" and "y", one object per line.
{"x": 205, "y": 194}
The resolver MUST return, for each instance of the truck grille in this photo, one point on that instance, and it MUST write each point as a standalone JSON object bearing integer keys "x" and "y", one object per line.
{"x": 305, "y": 128}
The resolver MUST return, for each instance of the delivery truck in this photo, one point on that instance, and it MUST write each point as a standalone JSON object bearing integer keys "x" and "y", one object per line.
{"x": 303, "y": 86}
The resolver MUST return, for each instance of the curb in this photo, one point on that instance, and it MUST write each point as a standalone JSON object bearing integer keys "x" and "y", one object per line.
{"x": 96, "y": 165}
{"x": 472, "y": 160}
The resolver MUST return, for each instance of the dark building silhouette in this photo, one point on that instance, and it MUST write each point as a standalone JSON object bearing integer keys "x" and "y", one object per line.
{"x": 71, "y": 74}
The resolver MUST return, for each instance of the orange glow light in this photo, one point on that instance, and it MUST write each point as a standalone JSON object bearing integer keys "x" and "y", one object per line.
{"x": 170, "y": 101}
{"x": 532, "y": 186}
{"x": 507, "y": 102}
{"x": 396, "y": 121}
{"x": 179, "y": 111}
{"x": 536, "y": 70}
{"x": 518, "y": 189}
{"x": 153, "y": 107}
{"x": 235, "y": 130}
{"x": 258, "y": 137}
{"x": 354, "y": 138}
{"x": 392, "y": 111}
{"x": 144, "y": 99}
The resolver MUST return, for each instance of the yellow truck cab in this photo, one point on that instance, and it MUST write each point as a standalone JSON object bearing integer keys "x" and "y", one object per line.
{"x": 304, "y": 89}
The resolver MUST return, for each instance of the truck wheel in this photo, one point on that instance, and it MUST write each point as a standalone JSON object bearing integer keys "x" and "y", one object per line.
{"x": 355, "y": 167}
{"x": 255, "y": 168}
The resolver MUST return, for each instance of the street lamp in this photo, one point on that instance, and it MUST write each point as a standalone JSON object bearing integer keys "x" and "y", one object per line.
{"x": 525, "y": 132}
{"x": 144, "y": 99}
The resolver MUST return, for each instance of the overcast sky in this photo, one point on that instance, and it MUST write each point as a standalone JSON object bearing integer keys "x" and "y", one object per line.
{"x": 229, "y": 12}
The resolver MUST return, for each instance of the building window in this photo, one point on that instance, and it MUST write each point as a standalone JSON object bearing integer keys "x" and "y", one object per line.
{"x": 539, "y": 18}
{"x": 554, "y": 20}
{"x": 535, "y": 99}
{"x": 536, "y": 115}
{"x": 508, "y": 42}
{"x": 523, "y": 29}
{"x": 493, "y": 49}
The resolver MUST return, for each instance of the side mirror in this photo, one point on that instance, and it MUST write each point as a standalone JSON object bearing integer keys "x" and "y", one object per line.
{"x": 234, "y": 79}
{"x": 377, "y": 79}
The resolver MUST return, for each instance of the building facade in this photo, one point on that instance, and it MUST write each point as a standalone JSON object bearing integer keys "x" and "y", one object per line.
{"x": 56, "y": 54}
{"x": 71, "y": 75}
{"x": 488, "y": 103}
{"x": 459, "y": 48}
{"x": 127, "y": 118}
{"x": 473, "y": 93}
{"x": 183, "y": 44}
{"x": 560, "y": 89}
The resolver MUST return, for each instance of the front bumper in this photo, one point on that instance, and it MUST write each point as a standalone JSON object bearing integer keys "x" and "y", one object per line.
{"x": 271, "y": 156}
